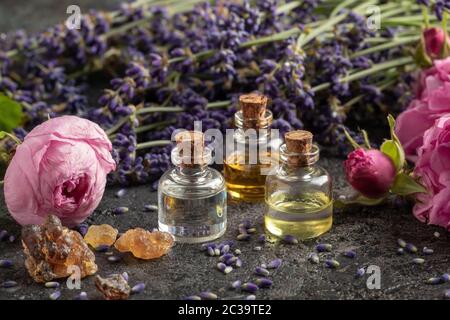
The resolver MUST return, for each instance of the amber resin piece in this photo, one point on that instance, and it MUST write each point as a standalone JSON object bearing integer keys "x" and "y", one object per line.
{"x": 144, "y": 244}
{"x": 114, "y": 287}
{"x": 101, "y": 235}
{"x": 52, "y": 251}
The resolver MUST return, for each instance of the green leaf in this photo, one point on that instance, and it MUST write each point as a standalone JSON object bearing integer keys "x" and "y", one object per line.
{"x": 394, "y": 151}
{"x": 11, "y": 113}
{"x": 404, "y": 185}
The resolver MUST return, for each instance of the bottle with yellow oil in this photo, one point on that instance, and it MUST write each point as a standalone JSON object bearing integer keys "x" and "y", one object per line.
{"x": 299, "y": 192}
{"x": 249, "y": 158}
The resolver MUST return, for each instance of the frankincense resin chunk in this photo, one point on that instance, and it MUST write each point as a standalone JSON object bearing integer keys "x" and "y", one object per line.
{"x": 101, "y": 235}
{"x": 52, "y": 251}
{"x": 114, "y": 287}
{"x": 144, "y": 244}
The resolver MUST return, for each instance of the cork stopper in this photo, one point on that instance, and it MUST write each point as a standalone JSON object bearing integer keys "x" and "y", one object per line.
{"x": 253, "y": 107}
{"x": 191, "y": 145}
{"x": 298, "y": 144}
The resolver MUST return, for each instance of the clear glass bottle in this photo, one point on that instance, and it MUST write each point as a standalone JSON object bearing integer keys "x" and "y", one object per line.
{"x": 299, "y": 192}
{"x": 249, "y": 158}
{"x": 192, "y": 197}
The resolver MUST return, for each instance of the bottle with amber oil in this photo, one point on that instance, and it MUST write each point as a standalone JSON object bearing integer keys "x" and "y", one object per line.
{"x": 249, "y": 158}
{"x": 299, "y": 193}
{"x": 192, "y": 197}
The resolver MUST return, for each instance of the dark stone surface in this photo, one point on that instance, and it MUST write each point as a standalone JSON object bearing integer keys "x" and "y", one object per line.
{"x": 371, "y": 232}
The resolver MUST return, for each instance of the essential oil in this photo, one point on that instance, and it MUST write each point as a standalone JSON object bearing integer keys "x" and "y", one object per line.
{"x": 250, "y": 157}
{"x": 192, "y": 197}
{"x": 298, "y": 193}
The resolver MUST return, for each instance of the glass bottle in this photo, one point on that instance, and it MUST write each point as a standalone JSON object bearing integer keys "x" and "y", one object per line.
{"x": 192, "y": 197}
{"x": 249, "y": 157}
{"x": 299, "y": 192}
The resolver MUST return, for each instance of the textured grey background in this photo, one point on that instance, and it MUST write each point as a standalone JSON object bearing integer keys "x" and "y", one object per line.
{"x": 371, "y": 232}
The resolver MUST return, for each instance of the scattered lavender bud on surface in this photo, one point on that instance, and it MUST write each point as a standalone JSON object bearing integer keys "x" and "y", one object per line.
{"x": 360, "y": 272}
{"x": 225, "y": 257}
{"x": 5, "y": 263}
{"x": 262, "y": 272}
{"x": 250, "y": 297}
{"x": 313, "y": 258}
{"x": 138, "y": 288}
{"x": 411, "y": 248}
{"x": 445, "y": 277}
{"x": 52, "y": 284}
{"x": 436, "y": 234}
{"x": 83, "y": 228}
{"x": 289, "y": 239}
{"x": 225, "y": 249}
{"x": 251, "y": 230}
{"x": 114, "y": 258}
{"x": 237, "y": 252}
{"x": 55, "y": 295}
{"x": 193, "y": 298}
{"x": 418, "y": 261}
{"x": 102, "y": 248}
{"x": 264, "y": 283}
{"x": 262, "y": 238}
{"x": 350, "y": 254}
{"x": 400, "y": 251}
{"x": 221, "y": 266}
{"x": 243, "y": 237}
{"x": 427, "y": 251}
{"x": 246, "y": 224}
{"x": 324, "y": 247}
{"x": 121, "y": 193}
{"x": 211, "y": 251}
{"x": 238, "y": 263}
{"x": 263, "y": 265}
{"x": 274, "y": 264}
{"x": 217, "y": 252}
{"x": 9, "y": 284}
{"x": 3, "y": 235}
{"x": 11, "y": 238}
{"x": 236, "y": 284}
{"x": 125, "y": 276}
{"x": 121, "y": 210}
{"x": 81, "y": 296}
{"x": 401, "y": 243}
{"x": 150, "y": 207}
{"x": 434, "y": 280}
{"x": 257, "y": 248}
{"x": 228, "y": 242}
{"x": 332, "y": 264}
{"x": 447, "y": 294}
{"x": 206, "y": 295}
{"x": 231, "y": 261}
{"x": 228, "y": 269}
{"x": 249, "y": 287}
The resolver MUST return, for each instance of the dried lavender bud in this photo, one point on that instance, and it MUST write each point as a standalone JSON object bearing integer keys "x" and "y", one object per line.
{"x": 206, "y": 295}
{"x": 125, "y": 276}
{"x": 231, "y": 261}
{"x": 11, "y": 238}
{"x": 257, "y": 248}
{"x": 436, "y": 234}
{"x": 150, "y": 207}
{"x": 228, "y": 269}
{"x": 81, "y": 296}
{"x": 52, "y": 284}
{"x": 418, "y": 261}
{"x": 225, "y": 257}
{"x": 121, "y": 193}
{"x": 445, "y": 277}
{"x": 247, "y": 224}
{"x": 211, "y": 252}
{"x": 262, "y": 238}
{"x": 114, "y": 259}
{"x": 350, "y": 254}
{"x": 313, "y": 258}
{"x": 274, "y": 264}
{"x": 401, "y": 243}
{"x": 238, "y": 263}
{"x": 83, "y": 229}
{"x": 427, "y": 251}
{"x": 332, "y": 264}
{"x": 250, "y": 297}
{"x": 262, "y": 272}
{"x": 289, "y": 239}
{"x": 217, "y": 252}
{"x": 251, "y": 230}
{"x": 3, "y": 235}
{"x": 360, "y": 272}
{"x": 55, "y": 295}
{"x": 324, "y": 247}
{"x": 263, "y": 265}
{"x": 236, "y": 284}
{"x": 5, "y": 263}
{"x": 138, "y": 288}
{"x": 434, "y": 280}
{"x": 264, "y": 283}
{"x": 121, "y": 210}
{"x": 243, "y": 237}
{"x": 225, "y": 249}
{"x": 400, "y": 251}
{"x": 102, "y": 248}
{"x": 9, "y": 284}
{"x": 237, "y": 252}
{"x": 221, "y": 266}
{"x": 411, "y": 248}
{"x": 249, "y": 287}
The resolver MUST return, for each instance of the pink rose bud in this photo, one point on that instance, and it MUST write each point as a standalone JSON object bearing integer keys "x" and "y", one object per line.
{"x": 60, "y": 168}
{"x": 370, "y": 172}
{"x": 434, "y": 41}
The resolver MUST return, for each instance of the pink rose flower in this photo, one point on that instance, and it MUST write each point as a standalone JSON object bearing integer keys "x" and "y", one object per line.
{"x": 432, "y": 101}
{"x": 370, "y": 172}
{"x": 433, "y": 170}
{"x": 60, "y": 168}
{"x": 434, "y": 41}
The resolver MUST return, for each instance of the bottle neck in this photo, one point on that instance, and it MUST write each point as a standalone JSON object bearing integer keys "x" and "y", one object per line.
{"x": 191, "y": 165}
{"x": 293, "y": 160}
